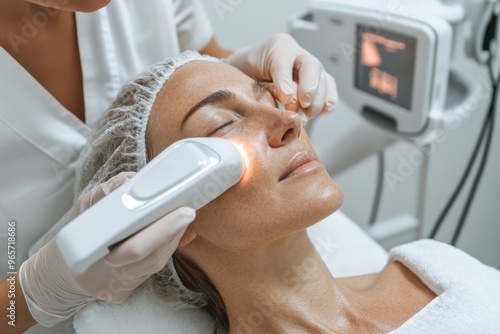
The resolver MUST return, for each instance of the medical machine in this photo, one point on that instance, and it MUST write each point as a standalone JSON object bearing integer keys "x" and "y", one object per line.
{"x": 191, "y": 172}
{"x": 391, "y": 58}
{"x": 395, "y": 64}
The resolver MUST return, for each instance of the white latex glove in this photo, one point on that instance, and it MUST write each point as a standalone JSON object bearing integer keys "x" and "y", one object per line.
{"x": 299, "y": 81}
{"x": 54, "y": 292}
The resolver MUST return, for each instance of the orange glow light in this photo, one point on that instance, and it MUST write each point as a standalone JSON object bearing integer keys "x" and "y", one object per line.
{"x": 241, "y": 146}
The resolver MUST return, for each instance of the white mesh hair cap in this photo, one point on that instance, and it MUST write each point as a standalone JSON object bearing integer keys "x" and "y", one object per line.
{"x": 118, "y": 141}
{"x": 118, "y": 144}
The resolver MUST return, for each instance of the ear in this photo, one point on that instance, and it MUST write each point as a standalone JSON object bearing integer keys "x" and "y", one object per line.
{"x": 188, "y": 236}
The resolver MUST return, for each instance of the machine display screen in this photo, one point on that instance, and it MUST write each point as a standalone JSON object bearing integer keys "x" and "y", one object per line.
{"x": 386, "y": 65}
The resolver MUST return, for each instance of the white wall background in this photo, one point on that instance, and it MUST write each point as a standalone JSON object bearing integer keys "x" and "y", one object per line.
{"x": 240, "y": 23}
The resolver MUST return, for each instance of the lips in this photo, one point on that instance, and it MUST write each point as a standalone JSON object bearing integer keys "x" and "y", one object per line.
{"x": 301, "y": 162}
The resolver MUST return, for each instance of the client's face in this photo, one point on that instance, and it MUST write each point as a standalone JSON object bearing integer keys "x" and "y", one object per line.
{"x": 285, "y": 188}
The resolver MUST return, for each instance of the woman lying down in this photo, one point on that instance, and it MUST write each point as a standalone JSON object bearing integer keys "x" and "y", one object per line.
{"x": 241, "y": 259}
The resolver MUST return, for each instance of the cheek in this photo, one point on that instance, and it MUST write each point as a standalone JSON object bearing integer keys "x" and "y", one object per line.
{"x": 259, "y": 209}
{"x": 251, "y": 215}
{"x": 236, "y": 219}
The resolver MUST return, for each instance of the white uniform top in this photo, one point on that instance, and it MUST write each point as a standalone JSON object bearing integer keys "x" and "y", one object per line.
{"x": 40, "y": 140}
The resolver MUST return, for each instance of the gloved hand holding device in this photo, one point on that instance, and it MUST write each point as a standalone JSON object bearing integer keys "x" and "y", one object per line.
{"x": 53, "y": 292}
{"x": 298, "y": 79}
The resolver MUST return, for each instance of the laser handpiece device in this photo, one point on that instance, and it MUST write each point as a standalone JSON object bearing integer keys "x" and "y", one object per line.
{"x": 191, "y": 172}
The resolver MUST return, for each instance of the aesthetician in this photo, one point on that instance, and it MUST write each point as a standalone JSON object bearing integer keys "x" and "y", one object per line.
{"x": 61, "y": 64}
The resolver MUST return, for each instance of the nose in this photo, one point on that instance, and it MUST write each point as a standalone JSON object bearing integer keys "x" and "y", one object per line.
{"x": 282, "y": 126}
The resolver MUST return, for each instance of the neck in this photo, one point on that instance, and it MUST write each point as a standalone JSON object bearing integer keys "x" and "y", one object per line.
{"x": 278, "y": 289}
{"x": 26, "y": 28}
{"x": 20, "y": 13}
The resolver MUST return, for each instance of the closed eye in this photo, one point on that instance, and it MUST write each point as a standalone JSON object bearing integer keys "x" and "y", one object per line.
{"x": 221, "y": 128}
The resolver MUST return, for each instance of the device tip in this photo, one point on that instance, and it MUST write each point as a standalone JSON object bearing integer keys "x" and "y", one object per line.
{"x": 244, "y": 154}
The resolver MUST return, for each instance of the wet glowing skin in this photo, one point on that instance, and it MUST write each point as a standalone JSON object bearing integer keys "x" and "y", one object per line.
{"x": 267, "y": 204}
{"x": 251, "y": 241}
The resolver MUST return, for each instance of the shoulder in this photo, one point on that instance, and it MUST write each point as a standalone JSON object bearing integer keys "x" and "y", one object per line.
{"x": 468, "y": 290}
{"x": 448, "y": 270}
{"x": 442, "y": 265}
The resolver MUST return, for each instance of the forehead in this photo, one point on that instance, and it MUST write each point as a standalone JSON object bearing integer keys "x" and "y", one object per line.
{"x": 187, "y": 86}
{"x": 196, "y": 80}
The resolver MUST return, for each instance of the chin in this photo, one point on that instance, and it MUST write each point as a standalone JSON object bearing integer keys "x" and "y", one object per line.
{"x": 84, "y": 6}
{"x": 92, "y": 6}
{"x": 329, "y": 200}
{"x": 325, "y": 196}
{"x": 317, "y": 201}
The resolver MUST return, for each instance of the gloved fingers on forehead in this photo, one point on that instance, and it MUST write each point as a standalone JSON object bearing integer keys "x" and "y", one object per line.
{"x": 332, "y": 95}
{"x": 319, "y": 98}
{"x": 284, "y": 88}
{"x": 292, "y": 105}
{"x": 310, "y": 79}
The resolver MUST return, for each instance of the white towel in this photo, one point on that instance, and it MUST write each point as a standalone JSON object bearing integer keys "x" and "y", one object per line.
{"x": 142, "y": 312}
{"x": 468, "y": 291}
{"x": 468, "y": 300}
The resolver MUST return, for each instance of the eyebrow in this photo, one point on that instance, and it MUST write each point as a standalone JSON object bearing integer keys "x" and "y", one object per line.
{"x": 222, "y": 96}
{"x": 259, "y": 87}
